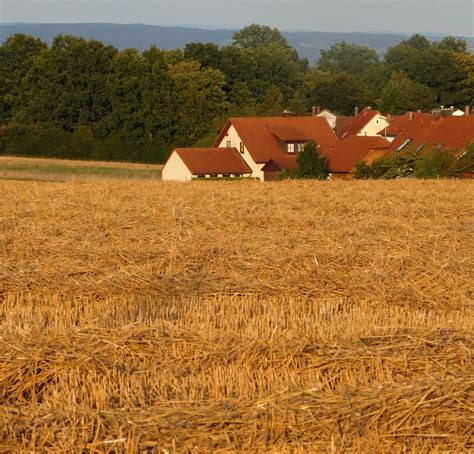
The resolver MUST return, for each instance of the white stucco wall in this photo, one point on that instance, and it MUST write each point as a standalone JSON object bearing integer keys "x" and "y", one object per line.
{"x": 175, "y": 169}
{"x": 235, "y": 140}
{"x": 374, "y": 126}
{"x": 331, "y": 119}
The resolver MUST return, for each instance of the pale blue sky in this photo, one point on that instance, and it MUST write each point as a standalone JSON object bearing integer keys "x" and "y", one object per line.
{"x": 425, "y": 16}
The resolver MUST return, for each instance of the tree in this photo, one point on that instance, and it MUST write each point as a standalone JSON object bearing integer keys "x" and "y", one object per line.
{"x": 311, "y": 164}
{"x": 349, "y": 58}
{"x": 434, "y": 67}
{"x": 198, "y": 100}
{"x": 242, "y": 100}
{"x": 401, "y": 95}
{"x": 126, "y": 96}
{"x": 439, "y": 69}
{"x": 206, "y": 54}
{"x": 466, "y": 62}
{"x": 259, "y": 35}
{"x": 375, "y": 79}
{"x": 339, "y": 92}
{"x": 404, "y": 58}
{"x": 453, "y": 44}
{"x": 17, "y": 55}
{"x": 418, "y": 42}
{"x": 67, "y": 85}
{"x": 272, "y": 104}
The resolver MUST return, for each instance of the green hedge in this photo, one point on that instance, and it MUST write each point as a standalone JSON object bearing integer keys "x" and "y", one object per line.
{"x": 47, "y": 142}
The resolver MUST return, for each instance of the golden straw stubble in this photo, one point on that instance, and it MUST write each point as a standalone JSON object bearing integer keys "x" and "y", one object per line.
{"x": 280, "y": 317}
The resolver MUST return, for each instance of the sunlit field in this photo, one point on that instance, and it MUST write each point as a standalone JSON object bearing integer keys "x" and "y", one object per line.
{"x": 236, "y": 316}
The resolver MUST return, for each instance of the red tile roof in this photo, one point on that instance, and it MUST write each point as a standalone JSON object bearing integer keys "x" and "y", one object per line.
{"x": 359, "y": 123}
{"x": 355, "y": 148}
{"x": 290, "y": 133}
{"x": 402, "y": 122}
{"x": 342, "y": 123}
{"x": 453, "y": 132}
{"x": 449, "y": 132}
{"x": 283, "y": 163}
{"x": 207, "y": 161}
{"x": 265, "y": 137}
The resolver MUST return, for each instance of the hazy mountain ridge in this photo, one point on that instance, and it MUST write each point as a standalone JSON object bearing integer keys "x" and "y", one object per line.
{"x": 141, "y": 37}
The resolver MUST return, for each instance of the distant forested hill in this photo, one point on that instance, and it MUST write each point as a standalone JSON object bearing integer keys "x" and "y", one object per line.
{"x": 141, "y": 37}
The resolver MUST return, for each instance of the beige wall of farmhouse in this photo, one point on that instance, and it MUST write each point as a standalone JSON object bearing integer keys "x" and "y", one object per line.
{"x": 374, "y": 126}
{"x": 175, "y": 169}
{"x": 235, "y": 140}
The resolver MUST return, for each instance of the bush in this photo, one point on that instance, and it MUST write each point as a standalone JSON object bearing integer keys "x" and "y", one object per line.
{"x": 311, "y": 164}
{"x": 48, "y": 142}
{"x": 435, "y": 164}
{"x": 465, "y": 164}
{"x": 363, "y": 171}
{"x": 393, "y": 165}
{"x": 432, "y": 164}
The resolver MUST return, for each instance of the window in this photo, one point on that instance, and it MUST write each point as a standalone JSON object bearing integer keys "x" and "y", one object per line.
{"x": 242, "y": 149}
{"x": 404, "y": 144}
{"x": 201, "y": 175}
{"x": 291, "y": 148}
{"x": 300, "y": 147}
{"x": 228, "y": 144}
{"x": 226, "y": 175}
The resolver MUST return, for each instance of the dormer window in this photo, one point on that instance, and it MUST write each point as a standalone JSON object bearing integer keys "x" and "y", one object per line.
{"x": 291, "y": 148}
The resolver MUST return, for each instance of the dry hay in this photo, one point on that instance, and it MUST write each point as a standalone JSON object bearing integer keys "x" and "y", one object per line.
{"x": 286, "y": 317}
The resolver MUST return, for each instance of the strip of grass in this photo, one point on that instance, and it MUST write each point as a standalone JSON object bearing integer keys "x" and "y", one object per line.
{"x": 66, "y": 172}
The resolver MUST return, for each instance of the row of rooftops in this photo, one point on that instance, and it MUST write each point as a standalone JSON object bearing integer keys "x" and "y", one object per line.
{"x": 266, "y": 141}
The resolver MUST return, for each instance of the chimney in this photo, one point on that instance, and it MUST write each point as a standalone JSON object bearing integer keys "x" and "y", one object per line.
{"x": 467, "y": 110}
{"x": 318, "y": 109}
{"x": 313, "y": 111}
{"x": 389, "y": 117}
{"x": 410, "y": 116}
{"x": 356, "y": 111}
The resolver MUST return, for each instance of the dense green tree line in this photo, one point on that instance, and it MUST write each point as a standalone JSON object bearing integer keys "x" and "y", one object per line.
{"x": 83, "y": 99}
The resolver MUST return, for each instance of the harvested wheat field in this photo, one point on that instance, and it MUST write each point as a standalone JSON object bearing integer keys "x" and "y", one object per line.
{"x": 237, "y": 317}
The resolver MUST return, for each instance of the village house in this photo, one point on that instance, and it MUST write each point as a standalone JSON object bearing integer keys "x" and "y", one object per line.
{"x": 450, "y": 133}
{"x": 338, "y": 123}
{"x": 398, "y": 124}
{"x": 267, "y": 145}
{"x": 262, "y": 147}
{"x": 184, "y": 164}
{"x": 366, "y": 123}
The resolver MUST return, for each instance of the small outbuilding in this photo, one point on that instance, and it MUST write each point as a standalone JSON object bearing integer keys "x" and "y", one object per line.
{"x": 186, "y": 164}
